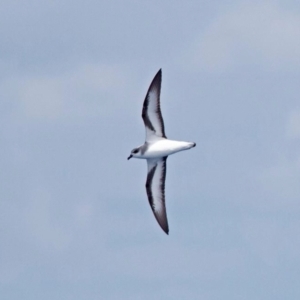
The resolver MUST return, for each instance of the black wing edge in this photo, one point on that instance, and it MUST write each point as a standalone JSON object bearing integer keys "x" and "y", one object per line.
{"x": 162, "y": 220}
{"x": 156, "y": 83}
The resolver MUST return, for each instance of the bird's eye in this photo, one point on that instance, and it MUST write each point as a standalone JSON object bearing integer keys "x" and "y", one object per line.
{"x": 135, "y": 151}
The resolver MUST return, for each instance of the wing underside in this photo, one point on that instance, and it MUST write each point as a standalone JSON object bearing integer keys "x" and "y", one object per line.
{"x": 151, "y": 113}
{"x": 155, "y": 187}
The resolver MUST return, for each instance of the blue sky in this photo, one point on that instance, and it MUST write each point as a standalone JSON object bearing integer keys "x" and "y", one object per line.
{"x": 75, "y": 222}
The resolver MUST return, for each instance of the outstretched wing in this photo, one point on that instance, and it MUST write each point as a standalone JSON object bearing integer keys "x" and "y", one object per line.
{"x": 155, "y": 187}
{"x": 151, "y": 113}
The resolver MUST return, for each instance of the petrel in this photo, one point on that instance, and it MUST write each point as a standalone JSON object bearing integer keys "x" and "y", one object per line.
{"x": 156, "y": 150}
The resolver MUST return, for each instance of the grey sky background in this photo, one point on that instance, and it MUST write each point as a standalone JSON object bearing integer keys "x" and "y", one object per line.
{"x": 75, "y": 222}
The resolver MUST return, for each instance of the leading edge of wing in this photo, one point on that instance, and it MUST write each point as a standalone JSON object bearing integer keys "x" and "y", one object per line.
{"x": 155, "y": 187}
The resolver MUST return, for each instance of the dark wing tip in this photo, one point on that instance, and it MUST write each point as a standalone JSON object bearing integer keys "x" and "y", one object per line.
{"x": 161, "y": 219}
{"x": 163, "y": 225}
{"x": 163, "y": 222}
{"x": 156, "y": 80}
{"x": 166, "y": 230}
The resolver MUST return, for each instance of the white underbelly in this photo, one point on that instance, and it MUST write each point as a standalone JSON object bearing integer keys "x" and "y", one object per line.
{"x": 166, "y": 147}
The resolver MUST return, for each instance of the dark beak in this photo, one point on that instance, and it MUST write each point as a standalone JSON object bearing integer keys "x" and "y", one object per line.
{"x": 129, "y": 157}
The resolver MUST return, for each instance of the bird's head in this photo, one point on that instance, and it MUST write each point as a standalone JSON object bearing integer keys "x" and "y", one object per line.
{"x": 135, "y": 153}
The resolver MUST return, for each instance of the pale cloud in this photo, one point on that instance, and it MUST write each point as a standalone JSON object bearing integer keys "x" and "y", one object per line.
{"x": 84, "y": 91}
{"x": 293, "y": 125}
{"x": 270, "y": 239}
{"x": 208, "y": 264}
{"x": 252, "y": 34}
{"x": 84, "y": 213}
{"x": 279, "y": 185}
{"x": 41, "y": 97}
{"x": 44, "y": 231}
{"x": 279, "y": 182}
